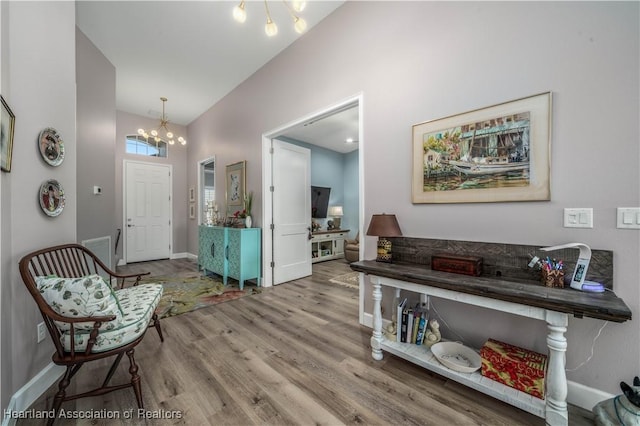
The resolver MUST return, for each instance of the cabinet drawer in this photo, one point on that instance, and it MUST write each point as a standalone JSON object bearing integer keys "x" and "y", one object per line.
{"x": 321, "y": 237}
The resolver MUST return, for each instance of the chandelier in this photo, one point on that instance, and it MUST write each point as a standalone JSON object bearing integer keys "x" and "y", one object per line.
{"x": 299, "y": 24}
{"x": 164, "y": 123}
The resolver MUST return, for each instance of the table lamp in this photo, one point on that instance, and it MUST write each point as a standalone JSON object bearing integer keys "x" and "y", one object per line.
{"x": 382, "y": 226}
{"x": 336, "y": 213}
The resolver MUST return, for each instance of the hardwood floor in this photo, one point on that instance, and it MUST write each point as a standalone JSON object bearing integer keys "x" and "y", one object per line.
{"x": 294, "y": 354}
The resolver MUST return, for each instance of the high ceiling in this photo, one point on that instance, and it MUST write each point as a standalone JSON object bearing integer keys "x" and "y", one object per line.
{"x": 191, "y": 52}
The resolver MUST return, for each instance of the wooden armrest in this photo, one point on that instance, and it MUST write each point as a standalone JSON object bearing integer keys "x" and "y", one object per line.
{"x": 61, "y": 318}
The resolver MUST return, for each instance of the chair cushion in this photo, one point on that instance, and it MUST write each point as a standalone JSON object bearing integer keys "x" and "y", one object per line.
{"x": 80, "y": 297}
{"x": 138, "y": 305}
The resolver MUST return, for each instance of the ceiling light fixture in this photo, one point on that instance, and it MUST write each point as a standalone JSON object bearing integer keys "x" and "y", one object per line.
{"x": 164, "y": 123}
{"x": 299, "y": 24}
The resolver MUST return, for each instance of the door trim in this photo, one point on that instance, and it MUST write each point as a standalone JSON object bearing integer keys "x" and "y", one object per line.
{"x": 267, "y": 211}
{"x": 125, "y": 163}
{"x": 199, "y": 205}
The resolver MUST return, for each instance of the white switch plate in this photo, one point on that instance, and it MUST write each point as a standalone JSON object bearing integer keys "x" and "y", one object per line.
{"x": 578, "y": 218}
{"x": 628, "y": 218}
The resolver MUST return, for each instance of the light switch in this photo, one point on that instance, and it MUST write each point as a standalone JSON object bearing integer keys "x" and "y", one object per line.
{"x": 578, "y": 218}
{"x": 628, "y": 217}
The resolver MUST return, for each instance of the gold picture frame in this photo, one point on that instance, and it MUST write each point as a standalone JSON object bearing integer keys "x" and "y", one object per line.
{"x": 235, "y": 186}
{"x": 7, "y": 125}
{"x": 493, "y": 154}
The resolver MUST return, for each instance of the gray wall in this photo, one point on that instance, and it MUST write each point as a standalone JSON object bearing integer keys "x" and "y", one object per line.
{"x": 38, "y": 82}
{"x": 96, "y": 133}
{"x": 418, "y": 61}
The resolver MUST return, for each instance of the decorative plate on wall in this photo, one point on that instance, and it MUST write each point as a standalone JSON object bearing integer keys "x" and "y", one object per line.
{"x": 51, "y": 197}
{"x": 51, "y": 146}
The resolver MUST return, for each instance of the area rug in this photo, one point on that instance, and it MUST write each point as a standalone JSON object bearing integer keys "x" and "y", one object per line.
{"x": 351, "y": 279}
{"x": 186, "y": 292}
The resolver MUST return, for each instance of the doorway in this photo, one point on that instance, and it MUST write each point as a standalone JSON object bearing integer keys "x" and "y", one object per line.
{"x": 271, "y": 249}
{"x": 147, "y": 211}
{"x": 206, "y": 190}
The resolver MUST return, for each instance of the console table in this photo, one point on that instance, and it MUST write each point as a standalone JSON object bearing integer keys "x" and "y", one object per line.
{"x": 528, "y": 299}
{"x": 328, "y": 245}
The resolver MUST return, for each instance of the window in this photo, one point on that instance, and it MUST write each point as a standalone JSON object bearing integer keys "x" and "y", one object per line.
{"x": 151, "y": 147}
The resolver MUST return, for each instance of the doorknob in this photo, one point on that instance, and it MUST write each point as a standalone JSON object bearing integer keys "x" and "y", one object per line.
{"x": 130, "y": 225}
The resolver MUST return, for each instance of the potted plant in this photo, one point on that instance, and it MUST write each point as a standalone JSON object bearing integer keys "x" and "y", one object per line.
{"x": 248, "y": 203}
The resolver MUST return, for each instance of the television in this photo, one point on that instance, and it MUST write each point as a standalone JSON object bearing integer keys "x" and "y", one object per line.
{"x": 319, "y": 201}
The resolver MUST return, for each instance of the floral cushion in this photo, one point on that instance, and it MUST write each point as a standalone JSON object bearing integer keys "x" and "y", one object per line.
{"x": 138, "y": 305}
{"x": 80, "y": 297}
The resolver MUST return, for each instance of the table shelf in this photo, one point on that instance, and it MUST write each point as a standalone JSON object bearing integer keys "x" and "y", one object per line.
{"x": 422, "y": 356}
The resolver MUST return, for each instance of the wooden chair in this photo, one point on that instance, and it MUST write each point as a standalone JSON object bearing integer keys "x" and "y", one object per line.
{"x": 80, "y": 306}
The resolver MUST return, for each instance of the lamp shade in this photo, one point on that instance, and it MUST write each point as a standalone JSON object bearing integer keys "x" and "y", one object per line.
{"x": 384, "y": 225}
{"x": 335, "y": 211}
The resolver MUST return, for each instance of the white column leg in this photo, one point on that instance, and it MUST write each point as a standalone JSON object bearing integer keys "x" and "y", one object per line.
{"x": 376, "y": 338}
{"x": 556, "y": 395}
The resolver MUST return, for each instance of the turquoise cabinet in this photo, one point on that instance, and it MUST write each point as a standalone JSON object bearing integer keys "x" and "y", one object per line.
{"x": 230, "y": 252}
{"x": 211, "y": 252}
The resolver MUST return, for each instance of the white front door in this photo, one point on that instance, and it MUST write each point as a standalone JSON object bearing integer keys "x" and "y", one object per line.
{"x": 147, "y": 211}
{"x": 291, "y": 180}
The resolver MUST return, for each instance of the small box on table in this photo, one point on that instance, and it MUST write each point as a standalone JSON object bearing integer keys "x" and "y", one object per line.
{"x": 513, "y": 366}
{"x": 457, "y": 264}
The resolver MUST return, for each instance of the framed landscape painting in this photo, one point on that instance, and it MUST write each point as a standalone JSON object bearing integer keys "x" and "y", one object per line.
{"x": 494, "y": 154}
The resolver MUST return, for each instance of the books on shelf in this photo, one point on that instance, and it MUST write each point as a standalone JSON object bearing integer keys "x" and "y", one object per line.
{"x": 399, "y": 319}
{"x": 412, "y": 323}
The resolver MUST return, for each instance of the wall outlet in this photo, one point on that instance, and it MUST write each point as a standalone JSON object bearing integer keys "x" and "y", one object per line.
{"x": 42, "y": 332}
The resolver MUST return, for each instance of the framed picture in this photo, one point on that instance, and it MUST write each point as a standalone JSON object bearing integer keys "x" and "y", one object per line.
{"x": 192, "y": 210}
{"x": 235, "y": 187}
{"x": 51, "y": 146}
{"x": 7, "y": 124}
{"x": 498, "y": 153}
{"x": 192, "y": 195}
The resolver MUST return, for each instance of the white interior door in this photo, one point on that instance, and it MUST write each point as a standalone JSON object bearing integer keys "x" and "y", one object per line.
{"x": 291, "y": 201}
{"x": 147, "y": 211}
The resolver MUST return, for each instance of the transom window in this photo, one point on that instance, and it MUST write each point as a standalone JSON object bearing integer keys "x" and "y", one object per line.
{"x": 152, "y": 147}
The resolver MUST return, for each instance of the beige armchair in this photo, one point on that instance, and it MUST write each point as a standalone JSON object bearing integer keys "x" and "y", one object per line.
{"x": 352, "y": 249}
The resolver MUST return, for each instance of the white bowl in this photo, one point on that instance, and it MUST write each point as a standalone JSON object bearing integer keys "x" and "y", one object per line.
{"x": 457, "y": 356}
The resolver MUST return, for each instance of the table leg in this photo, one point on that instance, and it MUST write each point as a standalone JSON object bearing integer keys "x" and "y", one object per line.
{"x": 556, "y": 396}
{"x": 376, "y": 338}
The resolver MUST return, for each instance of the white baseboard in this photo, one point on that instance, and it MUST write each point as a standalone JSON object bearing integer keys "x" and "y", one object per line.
{"x": 585, "y": 397}
{"x": 577, "y": 394}
{"x": 183, "y": 256}
{"x": 32, "y": 390}
{"x": 191, "y": 256}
